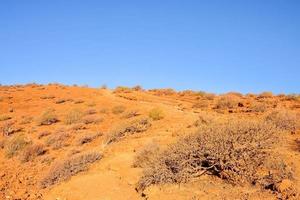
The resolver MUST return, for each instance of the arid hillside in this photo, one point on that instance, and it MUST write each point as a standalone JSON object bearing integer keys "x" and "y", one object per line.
{"x": 78, "y": 143}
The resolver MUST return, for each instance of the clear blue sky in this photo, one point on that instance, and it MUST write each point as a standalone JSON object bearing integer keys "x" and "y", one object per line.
{"x": 216, "y": 46}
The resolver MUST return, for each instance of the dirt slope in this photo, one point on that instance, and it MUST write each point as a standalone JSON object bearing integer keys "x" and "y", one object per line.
{"x": 101, "y": 111}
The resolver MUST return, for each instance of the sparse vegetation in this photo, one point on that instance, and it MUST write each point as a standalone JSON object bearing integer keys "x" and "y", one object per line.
{"x": 48, "y": 117}
{"x": 9, "y": 128}
{"x": 63, "y": 170}
{"x": 130, "y": 114}
{"x": 259, "y": 107}
{"x": 156, "y": 114}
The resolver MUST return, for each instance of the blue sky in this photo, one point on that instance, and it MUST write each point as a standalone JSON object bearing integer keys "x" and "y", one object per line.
{"x": 215, "y": 46}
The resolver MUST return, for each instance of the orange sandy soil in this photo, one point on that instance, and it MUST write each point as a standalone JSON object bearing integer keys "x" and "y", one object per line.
{"x": 113, "y": 177}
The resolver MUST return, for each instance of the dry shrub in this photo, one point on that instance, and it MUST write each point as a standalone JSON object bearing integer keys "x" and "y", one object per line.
{"x": 47, "y": 118}
{"x": 32, "y": 151}
{"x": 90, "y": 112}
{"x": 91, "y": 120}
{"x": 127, "y": 128}
{"x": 15, "y": 144}
{"x": 63, "y": 170}
{"x": 201, "y": 104}
{"x": 57, "y": 140}
{"x": 265, "y": 95}
{"x": 227, "y": 102}
{"x": 91, "y": 104}
{"x": 47, "y": 97}
{"x": 209, "y": 96}
{"x": 130, "y": 114}
{"x": 118, "y": 109}
{"x": 122, "y": 89}
{"x": 145, "y": 156}
{"x": 60, "y": 101}
{"x": 232, "y": 151}
{"x": 43, "y": 134}
{"x": 4, "y": 117}
{"x": 259, "y": 107}
{"x": 163, "y": 92}
{"x": 88, "y": 138}
{"x": 73, "y": 116}
{"x": 156, "y": 114}
{"x": 78, "y": 101}
{"x": 26, "y": 120}
{"x": 78, "y": 127}
{"x": 9, "y": 128}
{"x": 137, "y": 88}
{"x": 283, "y": 119}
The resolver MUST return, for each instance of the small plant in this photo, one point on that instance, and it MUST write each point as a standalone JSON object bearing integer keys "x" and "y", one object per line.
{"x": 127, "y": 128}
{"x": 63, "y": 170}
{"x": 137, "y": 88}
{"x": 265, "y": 95}
{"x": 91, "y": 120}
{"x": 60, "y": 101}
{"x": 226, "y": 102}
{"x": 32, "y": 151}
{"x": 47, "y": 118}
{"x": 259, "y": 107}
{"x": 79, "y": 101}
{"x": 123, "y": 89}
{"x": 156, "y": 114}
{"x": 201, "y": 104}
{"x": 4, "y": 117}
{"x": 91, "y": 104}
{"x": 118, "y": 109}
{"x": 43, "y": 134}
{"x": 26, "y": 120}
{"x": 73, "y": 116}
{"x": 57, "y": 140}
{"x": 88, "y": 138}
{"x": 9, "y": 128}
{"x": 90, "y": 112}
{"x": 15, "y": 144}
{"x": 283, "y": 119}
{"x": 130, "y": 114}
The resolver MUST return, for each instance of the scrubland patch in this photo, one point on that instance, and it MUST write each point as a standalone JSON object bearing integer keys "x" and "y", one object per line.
{"x": 63, "y": 170}
{"x": 156, "y": 114}
{"x": 234, "y": 151}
